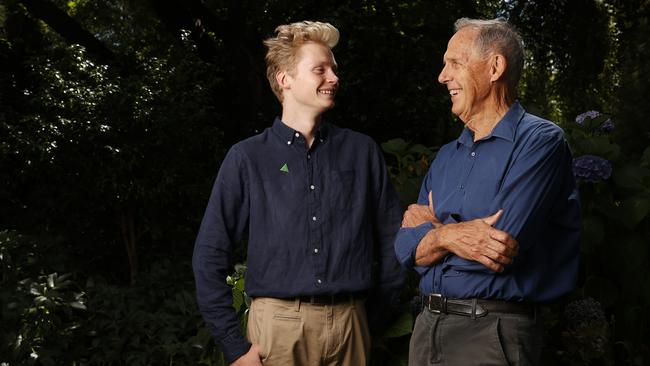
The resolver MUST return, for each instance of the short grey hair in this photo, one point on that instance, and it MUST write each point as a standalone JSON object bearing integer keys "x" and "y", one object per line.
{"x": 499, "y": 36}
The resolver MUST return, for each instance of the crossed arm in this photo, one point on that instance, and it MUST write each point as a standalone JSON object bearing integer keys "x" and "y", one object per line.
{"x": 475, "y": 240}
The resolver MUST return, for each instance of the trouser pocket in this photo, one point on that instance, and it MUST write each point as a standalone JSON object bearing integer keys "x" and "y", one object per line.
{"x": 467, "y": 341}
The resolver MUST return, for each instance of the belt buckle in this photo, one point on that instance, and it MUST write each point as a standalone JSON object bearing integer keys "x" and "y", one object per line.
{"x": 438, "y": 301}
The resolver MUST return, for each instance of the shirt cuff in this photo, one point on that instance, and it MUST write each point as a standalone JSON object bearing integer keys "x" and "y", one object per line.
{"x": 234, "y": 346}
{"x": 407, "y": 241}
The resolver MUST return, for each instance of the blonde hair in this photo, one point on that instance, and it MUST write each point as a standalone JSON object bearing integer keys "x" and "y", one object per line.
{"x": 283, "y": 48}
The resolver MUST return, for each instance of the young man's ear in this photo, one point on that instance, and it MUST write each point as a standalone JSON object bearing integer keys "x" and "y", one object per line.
{"x": 498, "y": 64}
{"x": 282, "y": 77}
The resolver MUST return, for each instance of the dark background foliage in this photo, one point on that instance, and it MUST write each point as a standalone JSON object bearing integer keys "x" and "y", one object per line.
{"x": 115, "y": 115}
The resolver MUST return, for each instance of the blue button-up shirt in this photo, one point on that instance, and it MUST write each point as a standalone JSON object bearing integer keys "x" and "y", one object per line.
{"x": 319, "y": 220}
{"x": 523, "y": 167}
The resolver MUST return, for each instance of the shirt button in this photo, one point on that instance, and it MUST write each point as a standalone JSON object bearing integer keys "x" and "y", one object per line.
{"x": 316, "y": 250}
{"x": 312, "y": 187}
{"x": 308, "y": 156}
{"x": 319, "y": 281}
{"x": 462, "y": 186}
{"x": 288, "y": 142}
{"x": 473, "y": 153}
{"x": 313, "y": 218}
{"x": 297, "y": 134}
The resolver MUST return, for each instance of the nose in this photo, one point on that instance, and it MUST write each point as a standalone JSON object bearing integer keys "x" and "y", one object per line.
{"x": 443, "y": 77}
{"x": 332, "y": 78}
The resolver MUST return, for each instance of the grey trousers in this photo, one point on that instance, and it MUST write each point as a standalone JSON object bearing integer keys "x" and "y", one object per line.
{"x": 495, "y": 339}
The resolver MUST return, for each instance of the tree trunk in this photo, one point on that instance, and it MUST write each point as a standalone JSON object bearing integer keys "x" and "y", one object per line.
{"x": 130, "y": 239}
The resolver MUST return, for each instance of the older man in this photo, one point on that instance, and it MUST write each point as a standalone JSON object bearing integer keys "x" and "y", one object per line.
{"x": 496, "y": 228}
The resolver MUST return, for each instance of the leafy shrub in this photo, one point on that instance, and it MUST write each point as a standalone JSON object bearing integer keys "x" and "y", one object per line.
{"x": 615, "y": 195}
{"x": 42, "y": 312}
{"x": 154, "y": 322}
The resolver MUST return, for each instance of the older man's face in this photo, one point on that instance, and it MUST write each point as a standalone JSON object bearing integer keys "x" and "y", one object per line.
{"x": 466, "y": 75}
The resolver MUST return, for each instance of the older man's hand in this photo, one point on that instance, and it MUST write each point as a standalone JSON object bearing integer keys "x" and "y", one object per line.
{"x": 417, "y": 215}
{"x": 475, "y": 240}
{"x": 479, "y": 241}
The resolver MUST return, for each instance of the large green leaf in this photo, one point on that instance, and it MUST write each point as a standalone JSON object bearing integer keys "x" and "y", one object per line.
{"x": 401, "y": 326}
{"x": 632, "y": 176}
{"x": 395, "y": 146}
{"x": 598, "y": 145}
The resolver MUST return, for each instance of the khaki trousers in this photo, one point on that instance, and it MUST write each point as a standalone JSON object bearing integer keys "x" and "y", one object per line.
{"x": 291, "y": 332}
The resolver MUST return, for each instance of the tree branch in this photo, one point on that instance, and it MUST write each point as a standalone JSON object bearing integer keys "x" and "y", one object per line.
{"x": 69, "y": 29}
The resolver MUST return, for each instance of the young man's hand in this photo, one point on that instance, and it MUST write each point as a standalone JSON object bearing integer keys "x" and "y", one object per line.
{"x": 250, "y": 358}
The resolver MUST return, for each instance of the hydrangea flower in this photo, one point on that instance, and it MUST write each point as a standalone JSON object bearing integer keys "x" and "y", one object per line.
{"x": 584, "y": 313}
{"x": 607, "y": 126}
{"x": 580, "y": 119}
{"x": 590, "y": 168}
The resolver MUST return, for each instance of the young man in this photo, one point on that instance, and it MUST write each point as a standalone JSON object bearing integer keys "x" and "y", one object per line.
{"x": 320, "y": 214}
{"x": 497, "y": 227}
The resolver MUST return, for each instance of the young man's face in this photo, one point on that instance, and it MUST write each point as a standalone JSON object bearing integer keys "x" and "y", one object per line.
{"x": 466, "y": 75}
{"x": 313, "y": 83}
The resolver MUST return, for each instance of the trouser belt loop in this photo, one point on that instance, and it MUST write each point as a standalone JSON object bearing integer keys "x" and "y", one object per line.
{"x": 296, "y": 304}
{"x": 474, "y": 308}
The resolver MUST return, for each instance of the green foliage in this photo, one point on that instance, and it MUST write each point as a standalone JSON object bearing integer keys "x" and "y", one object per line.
{"x": 391, "y": 347}
{"x": 409, "y": 164}
{"x": 49, "y": 320}
{"x": 100, "y": 155}
{"x": 42, "y": 312}
{"x": 154, "y": 322}
{"x": 614, "y": 244}
{"x": 240, "y": 301}
{"x": 107, "y": 161}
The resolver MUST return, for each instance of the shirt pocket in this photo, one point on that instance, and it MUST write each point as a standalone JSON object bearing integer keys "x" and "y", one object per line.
{"x": 343, "y": 188}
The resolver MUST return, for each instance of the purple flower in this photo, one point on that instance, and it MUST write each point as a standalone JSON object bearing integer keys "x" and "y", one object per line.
{"x": 591, "y": 114}
{"x": 590, "y": 168}
{"x": 607, "y": 126}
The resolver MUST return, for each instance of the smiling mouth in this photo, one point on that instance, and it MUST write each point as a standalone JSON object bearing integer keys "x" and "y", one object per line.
{"x": 453, "y": 92}
{"x": 327, "y": 91}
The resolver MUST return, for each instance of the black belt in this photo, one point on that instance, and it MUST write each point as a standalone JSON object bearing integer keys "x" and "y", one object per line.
{"x": 474, "y": 307}
{"x": 329, "y": 299}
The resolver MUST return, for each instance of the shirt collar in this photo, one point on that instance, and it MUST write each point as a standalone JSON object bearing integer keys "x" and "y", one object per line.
{"x": 505, "y": 129}
{"x": 288, "y": 135}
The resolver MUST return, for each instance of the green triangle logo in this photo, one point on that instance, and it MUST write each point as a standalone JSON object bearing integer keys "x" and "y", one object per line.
{"x": 285, "y": 168}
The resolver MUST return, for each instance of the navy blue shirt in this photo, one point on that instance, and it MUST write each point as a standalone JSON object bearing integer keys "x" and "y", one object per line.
{"x": 319, "y": 220}
{"x": 523, "y": 167}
